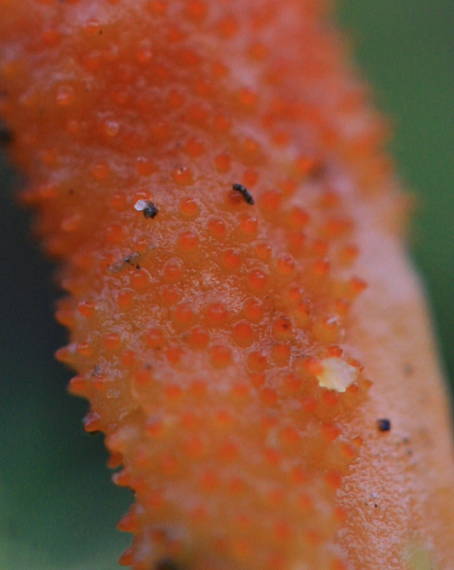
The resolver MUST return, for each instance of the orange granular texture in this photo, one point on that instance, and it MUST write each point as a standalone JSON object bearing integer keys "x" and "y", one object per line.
{"x": 199, "y": 334}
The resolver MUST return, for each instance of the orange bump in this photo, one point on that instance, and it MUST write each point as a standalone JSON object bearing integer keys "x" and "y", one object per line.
{"x": 198, "y": 338}
{"x": 243, "y": 334}
{"x": 220, "y": 356}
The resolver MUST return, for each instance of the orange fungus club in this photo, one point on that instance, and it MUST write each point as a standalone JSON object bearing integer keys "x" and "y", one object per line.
{"x": 206, "y": 173}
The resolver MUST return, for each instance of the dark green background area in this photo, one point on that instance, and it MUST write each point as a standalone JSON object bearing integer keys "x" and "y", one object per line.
{"x": 57, "y": 507}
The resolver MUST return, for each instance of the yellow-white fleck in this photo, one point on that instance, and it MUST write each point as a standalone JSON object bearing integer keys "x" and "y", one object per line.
{"x": 336, "y": 374}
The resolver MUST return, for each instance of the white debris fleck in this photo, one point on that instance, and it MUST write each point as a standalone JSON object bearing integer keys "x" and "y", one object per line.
{"x": 337, "y": 374}
{"x": 140, "y": 205}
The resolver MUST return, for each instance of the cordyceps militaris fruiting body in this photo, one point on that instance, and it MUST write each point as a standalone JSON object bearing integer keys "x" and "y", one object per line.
{"x": 242, "y": 317}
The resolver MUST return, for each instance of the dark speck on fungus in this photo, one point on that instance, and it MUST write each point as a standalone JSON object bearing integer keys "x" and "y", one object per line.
{"x": 244, "y": 192}
{"x": 383, "y": 424}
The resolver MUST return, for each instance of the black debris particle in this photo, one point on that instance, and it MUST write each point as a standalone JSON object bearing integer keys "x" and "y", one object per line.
{"x": 6, "y": 135}
{"x": 248, "y": 198}
{"x": 131, "y": 260}
{"x": 150, "y": 210}
{"x": 167, "y": 564}
{"x": 384, "y": 424}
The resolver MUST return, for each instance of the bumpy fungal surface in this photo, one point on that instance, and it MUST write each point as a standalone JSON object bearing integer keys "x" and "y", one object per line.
{"x": 206, "y": 172}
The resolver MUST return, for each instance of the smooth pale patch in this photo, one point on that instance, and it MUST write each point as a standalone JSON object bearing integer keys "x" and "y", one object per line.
{"x": 337, "y": 374}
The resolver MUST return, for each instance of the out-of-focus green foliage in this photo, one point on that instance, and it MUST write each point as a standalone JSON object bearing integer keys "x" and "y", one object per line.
{"x": 57, "y": 507}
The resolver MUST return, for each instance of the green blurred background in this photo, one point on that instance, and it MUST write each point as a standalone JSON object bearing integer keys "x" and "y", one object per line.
{"x": 57, "y": 506}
